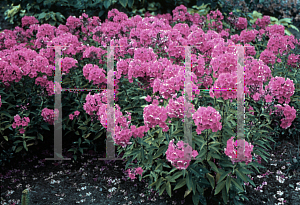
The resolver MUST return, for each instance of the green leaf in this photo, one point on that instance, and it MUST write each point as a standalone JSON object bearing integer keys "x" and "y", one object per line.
{"x": 107, "y": 3}
{"x": 245, "y": 171}
{"x": 130, "y": 3}
{"x": 228, "y": 182}
{"x": 189, "y": 181}
{"x": 168, "y": 187}
{"x": 287, "y": 32}
{"x": 47, "y": 17}
{"x": 176, "y": 175}
{"x": 196, "y": 199}
{"x": 237, "y": 184}
{"x": 294, "y": 27}
{"x": 6, "y": 114}
{"x": 53, "y": 17}
{"x": 19, "y": 149}
{"x": 194, "y": 172}
{"x": 42, "y": 15}
{"x": 77, "y": 133}
{"x": 201, "y": 153}
{"x": 5, "y": 137}
{"x": 123, "y": 3}
{"x": 60, "y": 17}
{"x": 180, "y": 184}
{"x": 162, "y": 189}
{"x": 285, "y": 20}
{"x": 30, "y": 137}
{"x": 96, "y": 127}
{"x": 25, "y": 146}
{"x": 82, "y": 127}
{"x": 214, "y": 155}
{"x": 158, "y": 168}
{"x": 223, "y": 176}
{"x": 159, "y": 183}
{"x": 40, "y": 136}
{"x": 213, "y": 166}
{"x": 151, "y": 185}
{"x": 16, "y": 142}
{"x": 160, "y": 151}
{"x": 211, "y": 180}
{"x": 240, "y": 175}
{"x": 219, "y": 187}
{"x": 73, "y": 150}
{"x": 224, "y": 196}
{"x": 81, "y": 150}
{"x": 101, "y": 13}
{"x": 44, "y": 126}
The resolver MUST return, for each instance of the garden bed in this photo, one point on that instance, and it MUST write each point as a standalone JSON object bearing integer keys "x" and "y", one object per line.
{"x": 89, "y": 181}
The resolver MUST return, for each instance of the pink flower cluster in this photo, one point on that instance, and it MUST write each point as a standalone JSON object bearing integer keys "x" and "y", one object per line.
{"x": 242, "y": 23}
{"x": 122, "y": 131}
{"x": 231, "y": 150}
{"x": 272, "y": 30}
{"x": 289, "y": 113}
{"x": 96, "y": 103}
{"x": 138, "y": 132}
{"x": 138, "y": 170}
{"x": 268, "y": 57}
{"x": 207, "y": 118}
{"x": 68, "y": 64}
{"x": 48, "y": 115}
{"x": 176, "y": 108}
{"x": 250, "y": 108}
{"x": 93, "y": 102}
{"x": 93, "y": 72}
{"x": 176, "y": 154}
{"x": 281, "y": 89}
{"x": 262, "y": 23}
{"x": 180, "y": 14}
{"x": 20, "y": 122}
{"x": 24, "y": 107}
{"x": 76, "y": 113}
{"x": 29, "y": 20}
{"x": 248, "y": 36}
{"x": 43, "y": 82}
{"x": 216, "y": 15}
{"x": 155, "y": 115}
{"x": 256, "y": 73}
{"x": 225, "y": 80}
{"x": 93, "y": 52}
{"x": 293, "y": 60}
{"x": 280, "y": 44}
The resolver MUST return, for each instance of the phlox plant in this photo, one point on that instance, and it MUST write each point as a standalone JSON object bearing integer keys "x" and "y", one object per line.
{"x": 149, "y": 88}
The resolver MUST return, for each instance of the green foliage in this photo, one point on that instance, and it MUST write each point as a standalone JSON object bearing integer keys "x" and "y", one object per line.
{"x": 55, "y": 12}
{"x": 7, "y": 153}
{"x": 202, "y": 173}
